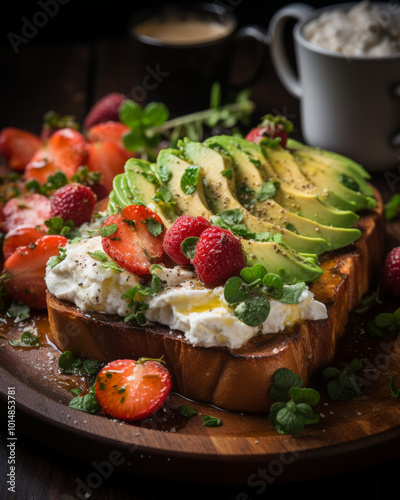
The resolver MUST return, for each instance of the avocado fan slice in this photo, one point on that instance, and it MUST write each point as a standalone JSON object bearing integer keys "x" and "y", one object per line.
{"x": 247, "y": 174}
{"x": 276, "y": 257}
{"x": 222, "y": 191}
{"x": 346, "y": 164}
{"x": 308, "y": 205}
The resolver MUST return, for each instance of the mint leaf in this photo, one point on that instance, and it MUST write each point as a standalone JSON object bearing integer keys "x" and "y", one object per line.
{"x": 250, "y": 274}
{"x": 267, "y": 190}
{"x": 291, "y": 293}
{"x": 188, "y": 246}
{"x": 253, "y": 311}
{"x": 189, "y": 179}
{"x": 392, "y": 207}
{"x": 99, "y": 255}
{"x": 232, "y": 217}
{"x": 342, "y": 383}
{"x": 187, "y": 411}
{"x": 27, "y": 339}
{"x": 228, "y": 173}
{"x": 235, "y": 291}
{"x": 293, "y": 407}
{"x": 284, "y": 380}
{"x": 87, "y": 403}
{"x": 108, "y": 230}
{"x": 164, "y": 173}
{"x": 154, "y": 114}
{"x": 210, "y": 421}
{"x": 154, "y": 226}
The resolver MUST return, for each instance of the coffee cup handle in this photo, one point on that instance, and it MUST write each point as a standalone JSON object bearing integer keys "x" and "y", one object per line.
{"x": 279, "y": 54}
{"x": 261, "y": 36}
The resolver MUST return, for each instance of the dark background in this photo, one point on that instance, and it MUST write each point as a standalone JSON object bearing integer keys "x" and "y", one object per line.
{"x": 89, "y": 20}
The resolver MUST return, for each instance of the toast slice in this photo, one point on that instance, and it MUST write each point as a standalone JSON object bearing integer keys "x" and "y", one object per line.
{"x": 239, "y": 379}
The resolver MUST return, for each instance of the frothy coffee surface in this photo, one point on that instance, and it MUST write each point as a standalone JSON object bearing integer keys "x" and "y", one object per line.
{"x": 183, "y": 30}
{"x": 365, "y": 29}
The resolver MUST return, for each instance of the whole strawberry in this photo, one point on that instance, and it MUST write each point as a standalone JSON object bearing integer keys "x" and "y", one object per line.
{"x": 73, "y": 202}
{"x": 105, "y": 109}
{"x": 218, "y": 256}
{"x": 391, "y": 272}
{"x": 184, "y": 227}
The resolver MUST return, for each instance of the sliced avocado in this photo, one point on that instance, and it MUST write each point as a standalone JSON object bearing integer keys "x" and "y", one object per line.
{"x": 321, "y": 175}
{"x": 282, "y": 260}
{"x": 246, "y": 173}
{"x": 304, "y": 204}
{"x": 277, "y": 255}
{"x": 191, "y": 204}
{"x": 222, "y": 191}
{"x": 143, "y": 191}
{"x": 331, "y": 158}
{"x": 288, "y": 171}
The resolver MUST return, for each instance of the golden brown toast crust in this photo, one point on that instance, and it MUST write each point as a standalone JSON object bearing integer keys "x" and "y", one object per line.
{"x": 240, "y": 379}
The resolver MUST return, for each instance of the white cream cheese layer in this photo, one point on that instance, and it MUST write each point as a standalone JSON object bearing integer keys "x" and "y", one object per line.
{"x": 183, "y": 304}
{"x": 365, "y": 29}
{"x": 81, "y": 279}
{"x": 207, "y": 320}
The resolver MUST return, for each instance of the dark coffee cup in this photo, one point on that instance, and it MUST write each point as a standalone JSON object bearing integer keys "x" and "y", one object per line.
{"x": 182, "y": 49}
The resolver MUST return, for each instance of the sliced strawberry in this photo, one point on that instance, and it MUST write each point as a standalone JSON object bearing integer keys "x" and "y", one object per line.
{"x": 26, "y": 269}
{"x": 108, "y": 131}
{"x": 132, "y": 390}
{"x": 137, "y": 241}
{"x": 65, "y": 151}
{"x": 30, "y": 210}
{"x": 107, "y": 158}
{"x": 18, "y": 146}
{"x": 21, "y": 236}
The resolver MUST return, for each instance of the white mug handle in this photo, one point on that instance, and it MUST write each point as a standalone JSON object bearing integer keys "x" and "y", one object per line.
{"x": 279, "y": 55}
{"x": 395, "y": 141}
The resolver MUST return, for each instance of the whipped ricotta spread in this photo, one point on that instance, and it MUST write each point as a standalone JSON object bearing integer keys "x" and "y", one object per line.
{"x": 365, "y": 29}
{"x": 200, "y": 313}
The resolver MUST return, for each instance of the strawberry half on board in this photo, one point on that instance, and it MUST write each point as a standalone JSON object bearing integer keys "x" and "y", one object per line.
{"x": 65, "y": 151}
{"x": 132, "y": 390}
{"x": 134, "y": 238}
{"x": 18, "y": 146}
{"x": 26, "y": 268}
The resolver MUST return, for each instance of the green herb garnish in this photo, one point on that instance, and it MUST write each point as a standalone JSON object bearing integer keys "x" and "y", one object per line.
{"x": 293, "y": 407}
{"x": 189, "y": 179}
{"x": 108, "y": 231}
{"x": 342, "y": 383}
{"x": 155, "y": 228}
{"x": 210, "y": 421}
{"x": 392, "y": 207}
{"x": 27, "y": 339}
{"x": 187, "y": 411}
{"x": 87, "y": 403}
{"x": 384, "y": 323}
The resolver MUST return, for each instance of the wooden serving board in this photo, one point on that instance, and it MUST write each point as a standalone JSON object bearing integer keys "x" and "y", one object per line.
{"x": 352, "y": 434}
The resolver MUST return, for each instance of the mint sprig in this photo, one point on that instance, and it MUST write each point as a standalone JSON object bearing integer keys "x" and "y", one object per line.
{"x": 150, "y": 125}
{"x": 384, "y": 324}
{"x": 249, "y": 294}
{"x": 292, "y": 410}
{"x": 342, "y": 383}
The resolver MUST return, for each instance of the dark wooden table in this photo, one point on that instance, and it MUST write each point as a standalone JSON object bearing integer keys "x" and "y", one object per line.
{"x": 68, "y": 79}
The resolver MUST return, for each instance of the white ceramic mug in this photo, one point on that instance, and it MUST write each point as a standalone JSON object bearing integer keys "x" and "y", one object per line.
{"x": 349, "y": 104}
